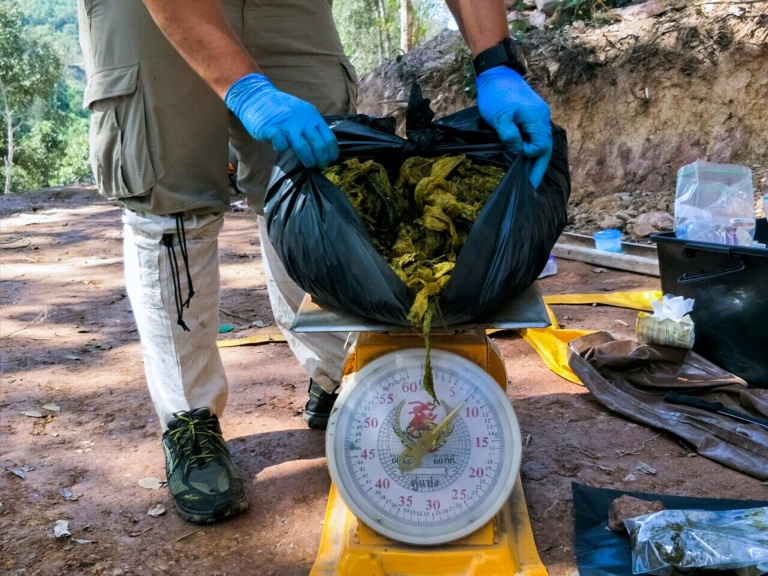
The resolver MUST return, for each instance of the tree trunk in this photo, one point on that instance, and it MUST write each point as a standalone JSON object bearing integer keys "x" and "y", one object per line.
{"x": 383, "y": 28}
{"x": 8, "y": 160}
{"x": 379, "y": 32}
{"x": 406, "y": 25}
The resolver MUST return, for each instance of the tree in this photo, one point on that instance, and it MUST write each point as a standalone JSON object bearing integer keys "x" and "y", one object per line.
{"x": 370, "y": 29}
{"x": 29, "y": 69}
{"x": 406, "y": 25}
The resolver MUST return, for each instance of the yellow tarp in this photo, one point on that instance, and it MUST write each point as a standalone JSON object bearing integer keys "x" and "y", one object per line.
{"x": 551, "y": 344}
{"x": 251, "y": 340}
{"x": 640, "y": 300}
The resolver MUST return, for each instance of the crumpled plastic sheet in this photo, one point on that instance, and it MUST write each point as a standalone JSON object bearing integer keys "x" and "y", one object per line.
{"x": 672, "y": 540}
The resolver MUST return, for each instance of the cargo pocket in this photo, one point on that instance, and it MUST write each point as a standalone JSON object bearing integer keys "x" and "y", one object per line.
{"x": 120, "y": 154}
{"x": 350, "y": 76}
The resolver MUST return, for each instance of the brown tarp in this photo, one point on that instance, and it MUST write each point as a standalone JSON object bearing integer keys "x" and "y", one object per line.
{"x": 632, "y": 378}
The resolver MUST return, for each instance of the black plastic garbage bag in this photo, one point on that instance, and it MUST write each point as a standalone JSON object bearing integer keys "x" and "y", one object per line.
{"x": 326, "y": 250}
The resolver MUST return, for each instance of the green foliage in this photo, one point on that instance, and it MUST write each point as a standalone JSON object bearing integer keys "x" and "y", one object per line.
{"x": 29, "y": 63}
{"x": 518, "y": 26}
{"x": 370, "y": 29}
{"x": 45, "y": 99}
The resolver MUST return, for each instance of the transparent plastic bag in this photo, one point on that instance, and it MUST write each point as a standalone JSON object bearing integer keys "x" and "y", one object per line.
{"x": 715, "y": 203}
{"x": 672, "y": 540}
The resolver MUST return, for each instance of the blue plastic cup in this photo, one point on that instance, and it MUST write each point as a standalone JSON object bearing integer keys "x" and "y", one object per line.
{"x": 608, "y": 240}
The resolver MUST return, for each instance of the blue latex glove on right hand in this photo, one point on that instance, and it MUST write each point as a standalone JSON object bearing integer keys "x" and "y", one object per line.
{"x": 519, "y": 116}
{"x": 284, "y": 120}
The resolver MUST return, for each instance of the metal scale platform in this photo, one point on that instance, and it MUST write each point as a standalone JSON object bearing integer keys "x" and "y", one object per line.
{"x": 375, "y": 524}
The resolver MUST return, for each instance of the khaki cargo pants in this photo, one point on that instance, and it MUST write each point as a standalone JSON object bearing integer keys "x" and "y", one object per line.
{"x": 159, "y": 139}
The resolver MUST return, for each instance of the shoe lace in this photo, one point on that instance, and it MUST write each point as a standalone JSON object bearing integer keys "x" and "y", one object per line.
{"x": 197, "y": 440}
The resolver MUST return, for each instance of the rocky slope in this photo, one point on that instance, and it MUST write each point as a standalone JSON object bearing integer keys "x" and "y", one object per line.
{"x": 639, "y": 99}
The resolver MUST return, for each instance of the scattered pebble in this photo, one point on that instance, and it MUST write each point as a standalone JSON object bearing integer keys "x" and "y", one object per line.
{"x": 626, "y": 507}
{"x": 645, "y": 468}
{"x": 157, "y": 510}
{"x": 151, "y": 483}
{"x": 61, "y": 529}
{"x": 630, "y": 478}
{"x": 599, "y": 270}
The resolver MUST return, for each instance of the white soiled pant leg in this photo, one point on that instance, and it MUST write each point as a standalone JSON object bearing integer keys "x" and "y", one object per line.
{"x": 183, "y": 368}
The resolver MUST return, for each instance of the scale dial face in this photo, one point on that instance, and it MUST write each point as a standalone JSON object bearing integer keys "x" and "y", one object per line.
{"x": 417, "y": 471}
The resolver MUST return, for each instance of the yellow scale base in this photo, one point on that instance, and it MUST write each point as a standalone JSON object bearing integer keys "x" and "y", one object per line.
{"x": 504, "y": 546}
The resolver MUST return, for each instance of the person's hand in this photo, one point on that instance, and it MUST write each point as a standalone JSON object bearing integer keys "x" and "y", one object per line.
{"x": 519, "y": 116}
{"x": 282, "y": 119}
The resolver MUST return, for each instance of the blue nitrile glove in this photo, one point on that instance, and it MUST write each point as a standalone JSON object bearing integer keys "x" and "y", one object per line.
{"x": 508, "y": 104}
{"x": 284, "y": 120}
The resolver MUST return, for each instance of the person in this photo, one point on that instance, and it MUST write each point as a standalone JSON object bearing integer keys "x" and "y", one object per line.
{"x": 169, "y": 84}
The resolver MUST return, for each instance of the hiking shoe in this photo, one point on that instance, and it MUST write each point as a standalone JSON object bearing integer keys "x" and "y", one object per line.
{"x": 318, "y": 409}
{"x": 202, "y": 479}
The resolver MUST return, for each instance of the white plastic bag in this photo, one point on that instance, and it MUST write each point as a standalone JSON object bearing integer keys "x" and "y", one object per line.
{"x": 672, "y": 540}
{"x": 715, "y": 203}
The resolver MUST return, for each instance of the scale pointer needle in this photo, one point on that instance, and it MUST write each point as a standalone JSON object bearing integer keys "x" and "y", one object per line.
{"x": 410, "y": 458}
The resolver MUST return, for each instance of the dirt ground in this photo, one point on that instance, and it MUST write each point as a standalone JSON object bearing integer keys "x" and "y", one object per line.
{"x": 67, "y": 337}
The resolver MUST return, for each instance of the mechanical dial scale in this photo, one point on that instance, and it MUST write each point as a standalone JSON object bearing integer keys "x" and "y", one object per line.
{"x": 425, "y": 486}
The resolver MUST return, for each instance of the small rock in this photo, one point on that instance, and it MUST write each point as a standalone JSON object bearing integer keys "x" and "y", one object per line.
{"x": 157, "y": 510}
{"x": 652, "y": 223}
{"x": 31, "y": 414}
{"x": 611, "y": 222}
{"x": 599, "y": 270}
{"x": 628, "y": 507}
{"x": 52, "y": 407}
{"x": 548, "y": 7}
{"x": 645, "y": 468}
{"x": 630, "y": 478}
{"x": 61, "y": 529}
{"x": 151, "y": 483}
{"x": 2, "y": 509}
{"x": 642, "y": 11}
{"x": 579, "y": 26}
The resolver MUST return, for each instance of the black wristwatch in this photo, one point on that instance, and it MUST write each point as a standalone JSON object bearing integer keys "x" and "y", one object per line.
{"x": 505, "y": 53}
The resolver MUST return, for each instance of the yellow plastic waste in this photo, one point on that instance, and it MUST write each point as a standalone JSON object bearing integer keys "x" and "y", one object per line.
{"x": 638, "y": 300}
{"x": 551, "y": 344}
{"x": 251, "y": 340}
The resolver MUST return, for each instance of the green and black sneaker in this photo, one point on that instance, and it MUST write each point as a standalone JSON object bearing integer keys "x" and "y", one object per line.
{"x": 318, "y": 408}
{"x": 202, "y": 479}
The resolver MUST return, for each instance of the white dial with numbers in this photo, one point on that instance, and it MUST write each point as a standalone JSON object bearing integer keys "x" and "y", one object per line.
{"x": 420, "y": 471}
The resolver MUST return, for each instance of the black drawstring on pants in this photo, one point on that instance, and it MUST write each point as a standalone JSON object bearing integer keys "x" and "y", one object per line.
{"x": 175, "y": 278}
